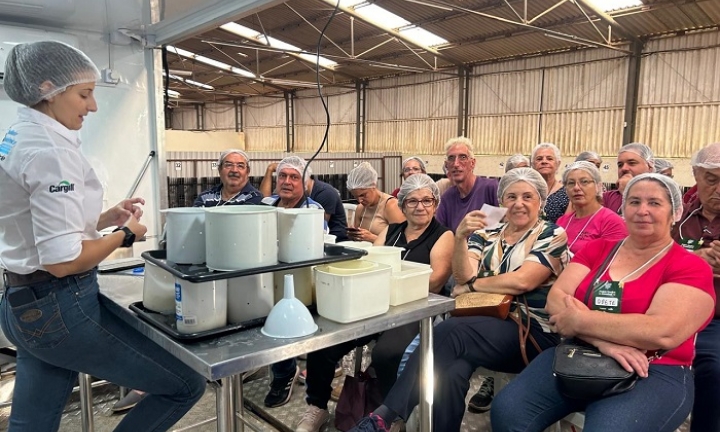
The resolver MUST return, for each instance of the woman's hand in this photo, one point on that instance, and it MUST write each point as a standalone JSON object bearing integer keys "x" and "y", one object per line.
{"x": 459, "y": 289}
{"x": 472, "y": 222}
{"x": 119, "y": 215}
{"x": 567, "y": 321}
{"x": 630, "y": 358}
{"x": 361, "y": 234}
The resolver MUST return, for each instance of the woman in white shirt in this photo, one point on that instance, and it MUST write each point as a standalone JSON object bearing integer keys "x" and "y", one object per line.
{"x": 50, "y": 215}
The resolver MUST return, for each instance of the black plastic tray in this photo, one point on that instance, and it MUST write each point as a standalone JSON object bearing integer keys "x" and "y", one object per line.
{"x": 166, "y": 324}
{"x": 200, "y": 273}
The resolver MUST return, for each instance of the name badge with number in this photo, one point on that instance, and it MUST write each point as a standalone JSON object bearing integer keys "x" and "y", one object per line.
{"x": 607, "y": 297}
{"x": 691, "y": 244}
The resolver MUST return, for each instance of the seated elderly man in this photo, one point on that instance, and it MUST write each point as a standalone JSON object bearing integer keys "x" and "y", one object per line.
{"x": 234, "y": 188}
{"x": 699, "y": 231}
{"x": 633, "y": 159}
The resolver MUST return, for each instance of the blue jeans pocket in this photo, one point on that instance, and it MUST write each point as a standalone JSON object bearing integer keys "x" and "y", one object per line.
{"x": 40, "y": 324}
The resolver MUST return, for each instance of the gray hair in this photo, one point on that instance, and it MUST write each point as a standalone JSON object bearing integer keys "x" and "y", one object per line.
{"x": 669, "y": 184}
{"x": 228, "y": 152}
{"x": 641, "y": 150}
{"x": 589, "y": 168}
{"x": 550, "y": 146}
{"x": 528, "y": 175}
{"x": 417, "y": 182}
{"x": 460, "y": 141}
{"x": 708, "y": 157}
{"x": 362, "y": 176}
{"x": 515, "y": 160}
{"x": 587, "y": 155}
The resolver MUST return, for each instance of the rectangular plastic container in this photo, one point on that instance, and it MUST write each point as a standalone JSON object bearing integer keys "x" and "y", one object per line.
{"x": 411, "y": 283}
{"x": 352, "y": 297}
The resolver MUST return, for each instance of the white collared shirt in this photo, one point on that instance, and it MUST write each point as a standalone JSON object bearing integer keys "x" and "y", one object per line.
{"x": 50, "y": 196}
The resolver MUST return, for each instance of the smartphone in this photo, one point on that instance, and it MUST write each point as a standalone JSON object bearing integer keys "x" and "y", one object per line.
{"x": 21, "y": 297}
{"x": 353, "y": 229}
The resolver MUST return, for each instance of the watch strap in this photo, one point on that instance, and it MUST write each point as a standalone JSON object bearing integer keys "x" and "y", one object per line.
{"x": 129, "y": 236}
{"x": 470, "y": 283}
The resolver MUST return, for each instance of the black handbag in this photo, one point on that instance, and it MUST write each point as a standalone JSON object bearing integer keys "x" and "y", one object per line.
{"x": 582, "y": 371}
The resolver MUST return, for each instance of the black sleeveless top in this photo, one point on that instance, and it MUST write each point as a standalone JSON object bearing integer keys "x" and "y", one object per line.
{"x": 419, "y": 249}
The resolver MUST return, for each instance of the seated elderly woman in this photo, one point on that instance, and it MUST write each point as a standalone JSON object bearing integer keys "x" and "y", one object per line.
{"x": 649, "y": 294}
{"x": 589, "y": 220}
{"x": 375, "y": 210}
{"x": 521, "y": 257}
{"x": 425, "y": 241}
{"x": 546, "y": 160}
{"x": 410, "y": 166}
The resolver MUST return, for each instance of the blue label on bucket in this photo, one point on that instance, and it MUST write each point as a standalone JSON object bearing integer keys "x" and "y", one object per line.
{"x": 178, "y": 302}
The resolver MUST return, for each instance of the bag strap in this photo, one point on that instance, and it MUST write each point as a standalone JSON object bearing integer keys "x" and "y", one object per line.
{"x": 524, "y": 331}
{"x": 602, "y": 269}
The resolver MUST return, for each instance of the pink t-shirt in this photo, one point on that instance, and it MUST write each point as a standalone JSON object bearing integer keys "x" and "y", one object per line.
{"x": 677, "y": 266}
{"x": 604, "y": 224}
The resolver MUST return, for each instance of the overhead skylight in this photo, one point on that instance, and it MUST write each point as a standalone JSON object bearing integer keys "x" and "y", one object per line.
{"x": 191, "y": 82}
{"x": 258, "y": 37}
{"x": 383, "y": 17}
{"x": 210, "y": 62}
{"x": 173, "y": 94}
{"x": 613, "y": 5}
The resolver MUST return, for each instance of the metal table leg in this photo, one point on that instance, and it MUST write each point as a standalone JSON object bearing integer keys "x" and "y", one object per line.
{"x": 225, "y": 406}
{"x": 86, "y": 402}
{"x": 238, "y": 402}
{"x": 427, "y": 378}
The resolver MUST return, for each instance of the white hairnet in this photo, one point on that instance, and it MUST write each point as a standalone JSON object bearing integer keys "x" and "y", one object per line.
{"x": 294, "y": 162}
{"x": 587, "y": 155}
{"x": 460, "y": 141}
{"x": 641, "y": 150}
{"x": 708, "y": 157}
{"x": 528, "y": 175}
{"x": 589, "y": 168}
{"x": 550, "y": 146}
{"x": 418, "y": 160}
{"x": 515, "y": 160}
{"x": 415, "y": 182}
{"x": 363, "y": 176}
{"x": 38, "y": 71}
{"x": 669, "y": 184}
{"x": 662, "y": 165}
{"x": 227, "y": 152}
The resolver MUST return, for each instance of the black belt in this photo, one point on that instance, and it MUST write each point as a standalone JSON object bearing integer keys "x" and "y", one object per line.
{"x": 36, "y": 277}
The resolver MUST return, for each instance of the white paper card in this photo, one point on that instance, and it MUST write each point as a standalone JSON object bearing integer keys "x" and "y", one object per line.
{"x": 493, "y": 215}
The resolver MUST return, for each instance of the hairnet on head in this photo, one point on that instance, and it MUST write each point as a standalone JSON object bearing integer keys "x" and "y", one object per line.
{"x": 528, "y": 175}
{"x": 708, "y": 157}
{"x": 415, "y": 182}
{"x": 662, "y": 165}
{"x": 588, "y": 155}
{"x": 515, "y": 160}
{"x": 669, "y": 184}
{"x": 418, "y": 160}
{"x": 228, "y": 152}
{"x": 40, "y": 70}
{"x": 641, "y": 150}
{"x": 363, "y": 176}
{"x": 294, "y": 162}
{"x": 589, "y": 168}
{"x": 460, "y": 141}
{"x": 550, "y": 146}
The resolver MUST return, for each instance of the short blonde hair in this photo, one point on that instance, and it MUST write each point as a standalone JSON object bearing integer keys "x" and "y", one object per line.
{"x": 460, "y": 141}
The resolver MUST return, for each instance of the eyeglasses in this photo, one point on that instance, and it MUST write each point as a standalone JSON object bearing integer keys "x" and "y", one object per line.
{"x": 426, "y": 202}
{"x": 583, "y": 183}
{"x": 412, "y": 169}
{"x": 230, "y": 165}
{"x": 462, "y": 158}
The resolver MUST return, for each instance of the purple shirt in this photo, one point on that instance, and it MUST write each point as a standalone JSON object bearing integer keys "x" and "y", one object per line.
{"x": 613, "y": 200}
{"x": 453, "y": 208}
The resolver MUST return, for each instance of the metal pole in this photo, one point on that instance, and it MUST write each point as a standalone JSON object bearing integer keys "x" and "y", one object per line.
{"x": 238, "y": 402}
{"x": 135, "y": 185}
{"x": 86, "y": 405}
{"x": 427, "y": 376}
{"x": 632, "y": 93}
{"x": 224, "y": 406}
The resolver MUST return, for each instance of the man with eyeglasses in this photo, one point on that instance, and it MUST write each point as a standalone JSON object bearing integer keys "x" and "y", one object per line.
{"x": 410, "y": 166}
{"x": 234, "y": 188}
{"x": 469, "y": 192}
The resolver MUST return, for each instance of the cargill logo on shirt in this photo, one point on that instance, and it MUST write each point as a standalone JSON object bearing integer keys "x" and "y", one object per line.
{"x": 63, "y": 186}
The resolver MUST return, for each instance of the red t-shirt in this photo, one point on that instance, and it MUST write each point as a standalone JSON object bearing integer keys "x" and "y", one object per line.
{"x": 678, "y": 266}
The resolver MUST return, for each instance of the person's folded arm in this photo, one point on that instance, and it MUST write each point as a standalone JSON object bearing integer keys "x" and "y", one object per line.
{"x": 566, "y": 284}
{"x": 525, "y": 279}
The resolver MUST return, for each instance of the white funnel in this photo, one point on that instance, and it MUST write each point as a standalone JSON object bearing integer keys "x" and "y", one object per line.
{"x": 289, "y": 318}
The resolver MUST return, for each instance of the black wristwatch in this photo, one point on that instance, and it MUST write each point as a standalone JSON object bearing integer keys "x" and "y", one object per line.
{"x": 129, "y": 236}
{"x": 470, "y": 283}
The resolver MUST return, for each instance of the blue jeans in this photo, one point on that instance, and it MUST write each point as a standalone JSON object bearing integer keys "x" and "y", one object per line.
{"x": 706, "y": 412}
{"x": 284, "y": 369}
{"x": 532, "y": 402}
{"x": 69, "y": 330}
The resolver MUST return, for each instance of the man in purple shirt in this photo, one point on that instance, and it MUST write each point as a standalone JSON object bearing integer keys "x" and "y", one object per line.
{"x": 633, "y": 159}
{"x": 469, "y": 192}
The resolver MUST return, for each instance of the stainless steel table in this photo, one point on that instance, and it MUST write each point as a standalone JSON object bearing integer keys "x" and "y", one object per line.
{"x": 227, "y": 357}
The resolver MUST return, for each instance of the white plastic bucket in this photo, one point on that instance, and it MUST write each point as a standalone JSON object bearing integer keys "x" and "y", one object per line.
{"x": 200, "y": 306}
{"x": 158, "y": 289}
{"x": 389, "y": 255}
{"x": 346, "y": 298}
{"x": 301, "y": 235}
{"x": 185, "y": 235}
{"x": 241, "y": 237}
{"x": 250, "y": 297}
{"x": 364, "y": 245}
